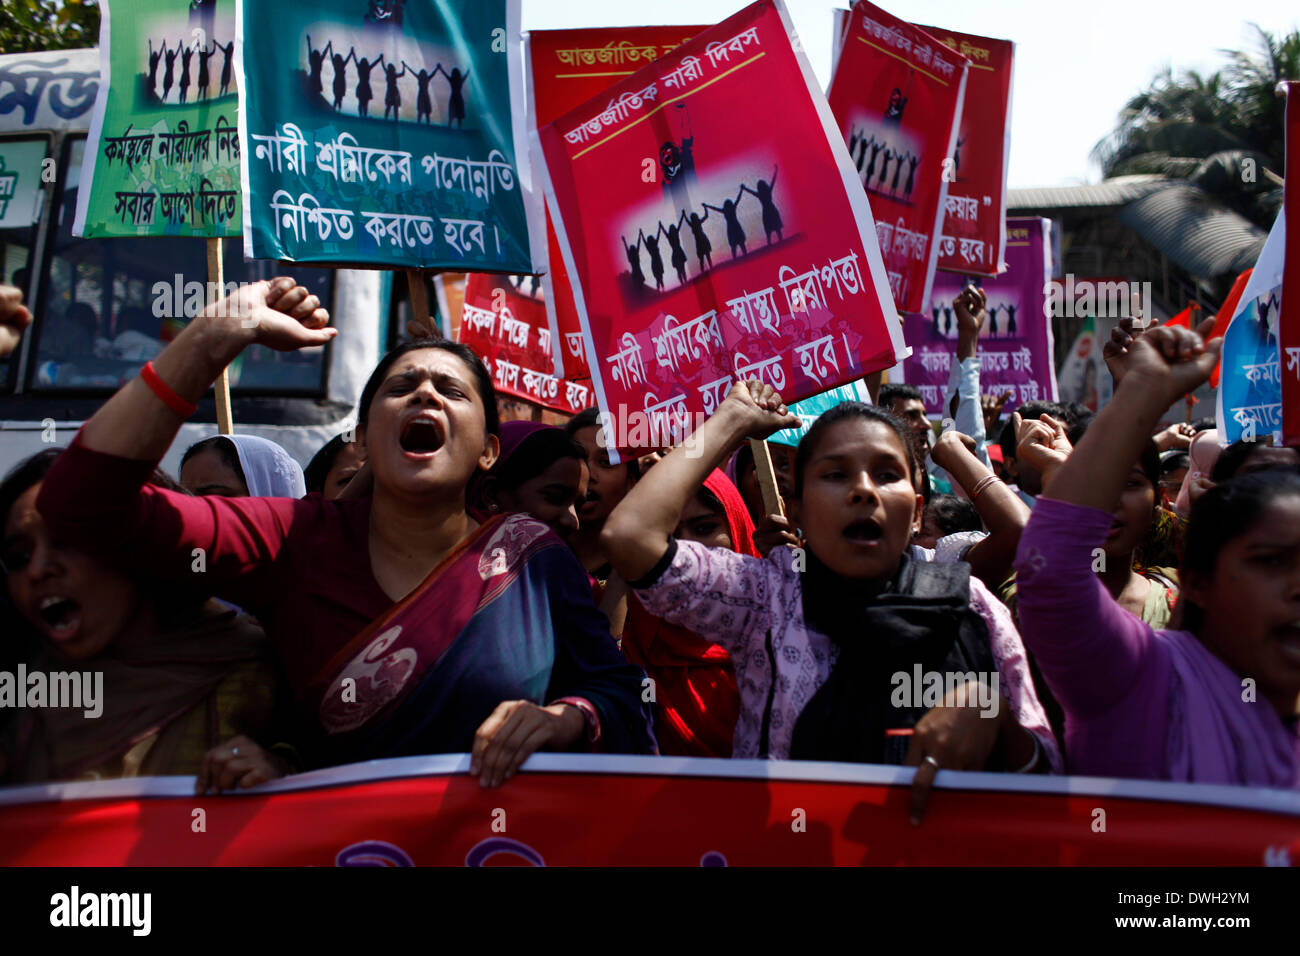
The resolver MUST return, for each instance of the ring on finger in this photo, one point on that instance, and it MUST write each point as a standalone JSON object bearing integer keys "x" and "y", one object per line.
{"x": 931, "y": 761}
{"x": 234, "y": 752}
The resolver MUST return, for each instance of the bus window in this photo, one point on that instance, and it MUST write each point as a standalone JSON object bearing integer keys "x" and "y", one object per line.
{"x": 111, "y": 304}
{"x": 20, "y": 205}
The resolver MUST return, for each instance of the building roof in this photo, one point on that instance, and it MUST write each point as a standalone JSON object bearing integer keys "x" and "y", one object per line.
{"x": 1195, "y": 230}
{"x": 1112, "y": 192}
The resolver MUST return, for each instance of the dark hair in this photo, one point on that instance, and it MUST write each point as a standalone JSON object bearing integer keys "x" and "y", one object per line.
{"x": 224, "y": 447}
{"x": 482, "y": 380}
{"x": 952, "y": 515}
{"x": 1171, "y": 461}
{"x": 590, "y": 418}
{"x": 1149, "y": 461}
{"x": 897, "y": 391}
{"x": 1030, "y": 411}
{"x": 843, "y": 412}
{"x": 1233, "y": 458}
{"x": 710, "y": 501}
{"x": 1224, "y": 512}
{"x": 1204, "y": 424}
{"x": 318, "y": 468}
{"x": 535, "y": 454}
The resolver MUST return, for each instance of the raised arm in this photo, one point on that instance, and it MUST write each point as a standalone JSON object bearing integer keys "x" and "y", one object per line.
{"x": 964, "y": 380}
{"x": 637, "y": 533}
{"x": 437, "y": 68}
{"x": 137, "y": 424}
{"x": 1001, "y": 510}
{"x": 405, "y": 68}
{"x": 775, "y": 170}
{"x": 352, "y": 55}
{"x": 681, "y": 220}
{"x": 707, "y": 207}
{"x": 328, "y": 47}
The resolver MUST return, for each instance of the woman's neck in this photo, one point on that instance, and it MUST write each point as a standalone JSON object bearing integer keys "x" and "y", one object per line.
{"x": 1117, "y": 574}
{"x": 409, "y": 537}
{"x": 585, "y": 543}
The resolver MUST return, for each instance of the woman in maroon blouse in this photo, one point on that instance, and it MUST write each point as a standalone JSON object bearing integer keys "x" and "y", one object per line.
{"x": 404, "y": 626}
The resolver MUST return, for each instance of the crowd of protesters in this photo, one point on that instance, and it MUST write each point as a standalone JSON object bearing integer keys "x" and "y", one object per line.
{"x": 1098, "y": 594}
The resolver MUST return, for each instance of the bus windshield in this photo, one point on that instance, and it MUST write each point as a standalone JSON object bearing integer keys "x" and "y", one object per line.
{"x": 108, "y": 305}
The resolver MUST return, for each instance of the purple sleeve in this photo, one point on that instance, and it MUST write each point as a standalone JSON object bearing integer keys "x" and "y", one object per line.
{"x": 1017, "y": 686}
{"x": 714, "y": 592}
{"x": 1092, "y": 652}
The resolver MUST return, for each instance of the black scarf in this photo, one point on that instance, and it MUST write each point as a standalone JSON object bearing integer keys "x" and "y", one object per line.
{"x": 922, "y": 617}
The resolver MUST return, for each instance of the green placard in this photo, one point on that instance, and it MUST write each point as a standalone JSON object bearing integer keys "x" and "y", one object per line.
{"x": 382, "y": 133}
{"x": 20, "y": 182}
{"x": 163, "y": 153}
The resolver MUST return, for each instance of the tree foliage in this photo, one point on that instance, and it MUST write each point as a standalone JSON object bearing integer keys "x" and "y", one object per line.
{"x": 32, "y": 25}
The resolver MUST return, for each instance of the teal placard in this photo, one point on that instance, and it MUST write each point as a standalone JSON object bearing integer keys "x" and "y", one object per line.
{"x": 810, "y": 409}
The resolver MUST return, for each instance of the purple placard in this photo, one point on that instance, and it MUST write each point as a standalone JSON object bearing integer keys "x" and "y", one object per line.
{"x": 1015, "y": 346}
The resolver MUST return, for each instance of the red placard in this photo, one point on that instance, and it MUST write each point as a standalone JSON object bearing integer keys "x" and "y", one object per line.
{"x": 973, "y": 240}
{"x": 566, "y": 68}
{"x": 1288, "y": 320}
{"x": 897, "y": 93}
{"x": 567, "y": 810}
{"x": 506, "y": 326}
{"x": 710, "y": 244}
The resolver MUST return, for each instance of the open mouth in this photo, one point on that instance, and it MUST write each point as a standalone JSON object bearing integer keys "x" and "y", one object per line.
{"x": 62, "y": 615}
{"x": 421, "y": 437}
{"x": 865, "y": 531}
{"x": 1289, "y": 637}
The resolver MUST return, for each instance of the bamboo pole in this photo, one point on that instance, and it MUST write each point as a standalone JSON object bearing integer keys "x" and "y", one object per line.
{"x": 216, "y": 283}
{"x": 772, "y": 504}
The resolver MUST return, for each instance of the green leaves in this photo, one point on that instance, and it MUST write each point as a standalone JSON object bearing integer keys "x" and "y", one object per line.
{"x": 37, "y": 25}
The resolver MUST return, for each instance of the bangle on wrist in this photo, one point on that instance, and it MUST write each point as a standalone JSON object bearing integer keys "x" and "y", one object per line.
{"x": 1038, "y": 752}
{"x": 164, "y": 392}
{"x": 981, "y": 485}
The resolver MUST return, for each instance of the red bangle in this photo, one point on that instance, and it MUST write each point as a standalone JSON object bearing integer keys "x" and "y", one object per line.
{"x": 165, "y": 394}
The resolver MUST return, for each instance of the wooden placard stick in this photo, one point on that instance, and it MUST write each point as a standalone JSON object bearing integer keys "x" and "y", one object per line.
{"x": 420, "y": 326}
{"x": 217, "y": 283}
{"x": 772, "y": 504}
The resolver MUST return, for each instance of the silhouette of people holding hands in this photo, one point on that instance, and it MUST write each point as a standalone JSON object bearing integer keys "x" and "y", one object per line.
{"x": 935, "y": 310}
{"x": 656, "y": 261}
{"x": 456, "y": 103}
{"x": 771, "y": 215}
{"x": 633, "y": 253}
{"x": 227, "y": 51}
{"x": 364, "y": 94}
{"x": 316, "y": 60}
{"x": 703, "y": 248}
{"x": 205, "y": 54}
{"x": 912, "y": 160}
{"x": 993, "y": 320}
{"x": 169, "y": 72}
{"x": 340, "y": 64}
{"x": 875, "y": 151}
{"x": 673, "y": 234}
{"x": 735, "y": 234}
{"x": 154, "y": 57}
{"x": 423, "y": 102}
{"x": 1011, "y": 320}
{"x": 187, "y": 55}
{"x": 898, "y": 172}
{"x": 884, "y": 168}
{"x": 393, "y": 96}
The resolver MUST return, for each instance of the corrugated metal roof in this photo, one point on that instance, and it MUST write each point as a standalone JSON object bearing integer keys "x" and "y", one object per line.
{"x": 1194, "y": 230}
{"x": 1111, "y": 192}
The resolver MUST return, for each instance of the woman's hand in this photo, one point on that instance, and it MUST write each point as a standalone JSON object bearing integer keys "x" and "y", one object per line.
{"x": 952, "y": 445}
{"x": 1177, "y": 436}
{"x": 775, "y": 531}
{"x": 279, "y": 314}
{"x": 516, "y": 730}
{"x": 956, "y": 735}
{"x": 757, "y": 409}
{"x": 14, "y": 317}
{"x": 991, "y": 407}
{"x": 1166, "y": 363}
{"x": 1042, "y": 443}
{"x": 239, "y": 763}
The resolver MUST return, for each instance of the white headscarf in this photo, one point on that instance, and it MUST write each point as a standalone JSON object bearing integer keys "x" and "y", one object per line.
{"x": 269, "y": 470}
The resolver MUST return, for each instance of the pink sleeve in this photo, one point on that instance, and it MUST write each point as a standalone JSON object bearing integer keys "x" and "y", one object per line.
{"x": 1017, "y": 687}
{"x": 102, "y": 503}
{"x": 1203, "y": 453}
{"x": 715, "y": 592}
{"x": 1092, "y": 652}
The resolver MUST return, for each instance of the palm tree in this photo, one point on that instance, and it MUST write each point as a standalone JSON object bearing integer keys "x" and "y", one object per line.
{"x": 1224, "y": 132}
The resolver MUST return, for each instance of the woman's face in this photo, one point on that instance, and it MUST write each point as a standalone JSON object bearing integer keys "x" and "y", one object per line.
{"x": 207, "y": 473}
{"x": 608, "y": 483}
{"x": 427, "y": 428}
{"x": 1251, "y": 603}
{"x": 703, "y": 524}
{"x": 346, "y": 464}
{"x": 1134, "y": 515}
{"x": 551, "y": 497}
{"x": 929, "y": 534}
{"x": 77, "y": 602}
{"x": 859, "y": 508}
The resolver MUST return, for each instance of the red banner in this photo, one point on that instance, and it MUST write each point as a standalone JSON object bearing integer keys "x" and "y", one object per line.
{"x": 646, "y": 811}
{"x": 507, "y": 328}
{"x": 1288, "y": 320}
{"x": 897, "y": 93}
{"x": 711, "y": 245}
{"x": 976, "y": 206}
{"x": 566, "y": 68}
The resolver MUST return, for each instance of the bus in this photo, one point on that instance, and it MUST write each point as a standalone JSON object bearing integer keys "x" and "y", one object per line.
{"x": 93, "y": 300}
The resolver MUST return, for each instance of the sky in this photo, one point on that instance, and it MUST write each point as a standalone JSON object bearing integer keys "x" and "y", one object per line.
{"x": 1076, "y": 65}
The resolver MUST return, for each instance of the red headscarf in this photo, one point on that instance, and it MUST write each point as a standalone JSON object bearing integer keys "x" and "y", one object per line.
{"x": 697, "y": 701}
